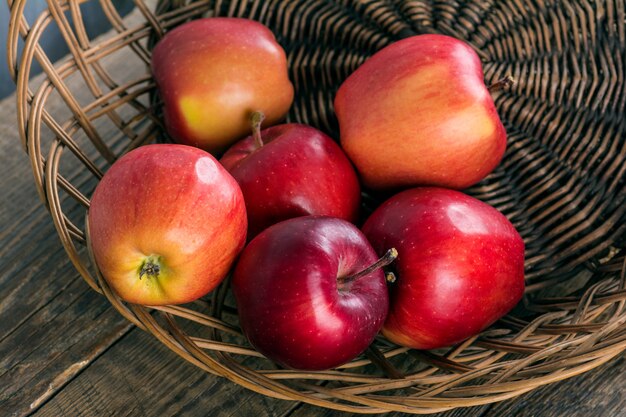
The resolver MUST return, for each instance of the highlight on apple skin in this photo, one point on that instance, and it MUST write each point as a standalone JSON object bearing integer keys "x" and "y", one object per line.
{"x": 212, "y": 73}
{"x": 166, "y": 223}
{"x": 460, "y": 265}
{"x": 300, "y": 298}
{"x": 418, "y": 113}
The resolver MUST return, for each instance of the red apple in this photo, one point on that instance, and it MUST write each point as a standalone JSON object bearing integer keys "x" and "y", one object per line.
{"x": 292, "y": 170}
{"x": 418, "y": 113}
{"x": 166, "y": 223}
{"x": 460, "y": 265}
{"x": 300, "y": 297}
{"x": 212, "y": 73}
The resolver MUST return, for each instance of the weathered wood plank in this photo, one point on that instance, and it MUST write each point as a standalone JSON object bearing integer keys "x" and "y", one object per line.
{"x": 599, "y": 392}
{"x": 51, "y": 324}
{"x": 54, "y": 344}
{"x": 140, "y": 376}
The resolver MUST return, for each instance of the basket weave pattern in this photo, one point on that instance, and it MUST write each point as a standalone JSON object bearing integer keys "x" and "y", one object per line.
{"x": 562, "y": 181}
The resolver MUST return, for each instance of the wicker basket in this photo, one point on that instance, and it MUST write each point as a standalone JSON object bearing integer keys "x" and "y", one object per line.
{"x": 562, "y": 180}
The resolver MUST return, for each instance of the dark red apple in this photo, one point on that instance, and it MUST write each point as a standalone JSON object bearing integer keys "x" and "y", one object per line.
{"x": 292, "y": 170}
{"x": 166, "y": 223}
{"x": 460, "y": 265}
{"x": 418, "y": 113}
{"x": 300, "y": 297}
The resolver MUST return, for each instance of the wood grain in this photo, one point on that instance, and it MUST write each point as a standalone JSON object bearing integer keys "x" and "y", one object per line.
{"x": 600, "y": 392}
{"x": 51, "y": 324}
{"x": 141, "y": 377}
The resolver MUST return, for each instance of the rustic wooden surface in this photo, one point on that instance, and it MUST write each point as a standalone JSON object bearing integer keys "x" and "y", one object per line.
{"x": 65, "y": 352}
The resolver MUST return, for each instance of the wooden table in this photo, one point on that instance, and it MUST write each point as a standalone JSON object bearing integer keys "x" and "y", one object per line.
{"x": 64, "y": 351}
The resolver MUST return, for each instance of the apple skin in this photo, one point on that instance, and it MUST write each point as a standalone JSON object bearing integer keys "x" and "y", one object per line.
{"x": 418, "y": 113}
{"x": 298, "y": 171}
{"x": 176, "y": 206}
{"x": 212, "y": 73}
{"x": 460, "y": 265}
{"x": 291, "y": 306}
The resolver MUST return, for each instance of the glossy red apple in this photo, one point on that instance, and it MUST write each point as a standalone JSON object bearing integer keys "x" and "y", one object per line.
{"x": 300, "y": 297}
{"x": 460, "y": 265}
{"x": 166, "y": 223}
{"x": 212, "y": 73}
{"x": 292, "y": 170}
{"x": 418, "y": 113}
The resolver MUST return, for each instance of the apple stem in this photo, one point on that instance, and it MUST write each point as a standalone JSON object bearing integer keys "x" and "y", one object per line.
{"x": 256, "y": 119}
{"x": 150, "y": 267}
{"x": 505, "y": 82}
{"x": 385, "y": 260}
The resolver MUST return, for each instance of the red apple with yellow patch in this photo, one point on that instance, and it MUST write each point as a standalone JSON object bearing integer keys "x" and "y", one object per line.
{"x": 213, "y": 73}
{"x": 418, "y": 113}
{"x": 166, "y": 223}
